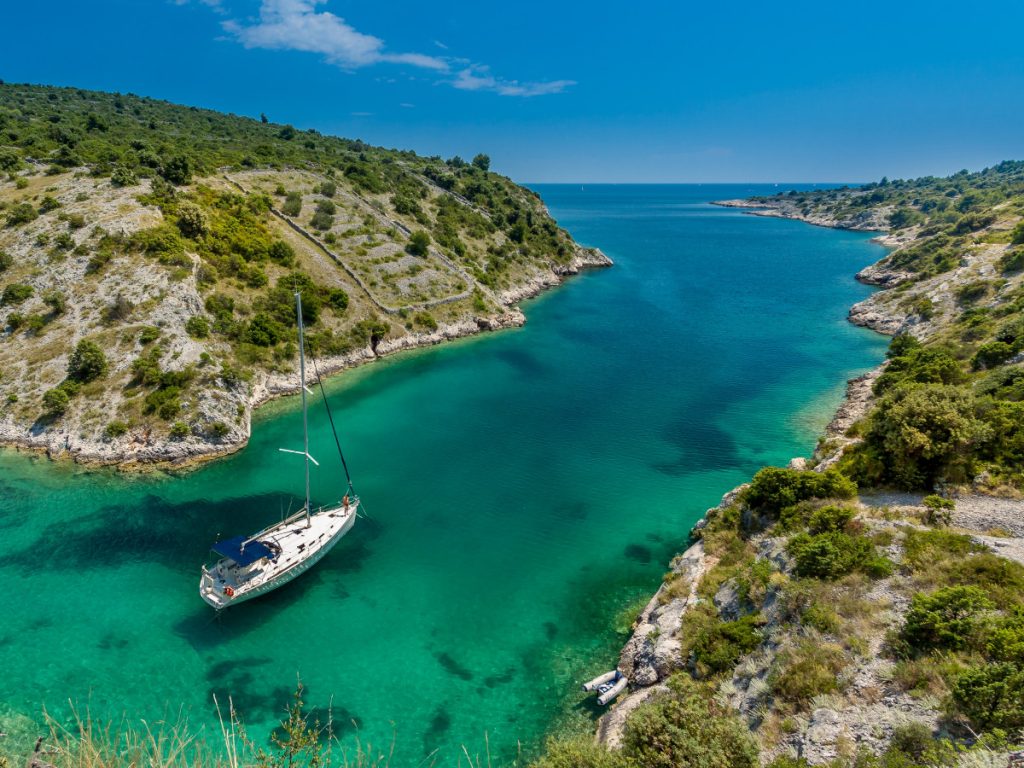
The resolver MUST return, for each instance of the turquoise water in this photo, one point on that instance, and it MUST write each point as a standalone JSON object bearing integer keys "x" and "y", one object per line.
{"x": 522, "y": 489}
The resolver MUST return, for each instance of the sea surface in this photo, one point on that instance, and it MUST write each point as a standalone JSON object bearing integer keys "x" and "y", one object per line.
{"x": 523, "y": 490}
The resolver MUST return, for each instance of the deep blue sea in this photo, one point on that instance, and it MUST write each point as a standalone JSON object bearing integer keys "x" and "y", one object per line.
{"x": 523, "y": 487}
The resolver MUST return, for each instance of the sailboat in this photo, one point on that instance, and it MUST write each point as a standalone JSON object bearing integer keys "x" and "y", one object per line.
{"x": 254, "y": 565}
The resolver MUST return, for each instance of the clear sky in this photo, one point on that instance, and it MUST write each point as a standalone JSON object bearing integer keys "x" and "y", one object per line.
{"x": 570, "y": 91}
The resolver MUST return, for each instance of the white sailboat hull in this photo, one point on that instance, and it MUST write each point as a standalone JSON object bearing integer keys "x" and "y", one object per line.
{"x": 302, "y": 545}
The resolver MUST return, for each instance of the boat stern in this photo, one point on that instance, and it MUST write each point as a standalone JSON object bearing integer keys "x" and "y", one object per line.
{"x": 213, "y": 591}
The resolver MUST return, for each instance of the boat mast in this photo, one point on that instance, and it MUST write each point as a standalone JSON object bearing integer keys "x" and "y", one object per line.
{"x": 302, "y": 386}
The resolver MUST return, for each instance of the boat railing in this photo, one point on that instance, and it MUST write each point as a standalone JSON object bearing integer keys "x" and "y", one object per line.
{"x": 206, "y": 581}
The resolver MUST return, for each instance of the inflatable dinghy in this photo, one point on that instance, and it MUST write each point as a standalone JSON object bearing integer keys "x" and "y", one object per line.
{"x": 608, "y": 686}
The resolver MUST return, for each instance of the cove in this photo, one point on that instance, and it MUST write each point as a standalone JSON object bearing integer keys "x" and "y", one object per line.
{"x": 522, "y": 489}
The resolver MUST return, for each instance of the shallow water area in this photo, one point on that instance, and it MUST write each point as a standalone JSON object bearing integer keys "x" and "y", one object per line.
{"x": 521, "y": 489}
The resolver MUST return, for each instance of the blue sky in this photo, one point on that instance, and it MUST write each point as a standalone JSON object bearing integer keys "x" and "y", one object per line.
{"x": 588, "y": 92}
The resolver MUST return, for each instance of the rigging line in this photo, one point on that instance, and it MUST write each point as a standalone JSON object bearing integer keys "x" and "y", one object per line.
{"x": 330, "y": 418}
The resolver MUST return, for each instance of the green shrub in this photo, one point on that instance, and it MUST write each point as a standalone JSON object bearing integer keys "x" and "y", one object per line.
{"x": 219, "y": 429}
{"x": 10, "y": 160}
{"x": 282, "y": 253}
{"x": 292, "y": 204}
{"x": 580, "y": 752}
{"x": 923, "y": 433}
{"x": 1012, "y": 261}
{"x": 177, "y": 169}
{"x": 164, "y": 402}
{"x": 198, "y": 327}
{"x": 426, "y": 320}
{"x": 15, "y": 294}
{"x": 115, "y": 429}
{"x": 22, "y": 213}
{"x": 773, "y": 488}
{"x": 806, "y": 671}
{"x": 921, "y": 366}
{"x": 720, "y": 644}
{"x": 419, "y": 243}
{"x": 991, "y": 695}
{"x": 991, "y": 355}
{"x": 6, "y": 261}
{"x": 972, "y": 292}
{"x": 922, "y": 549}
{"x": 329, "y": 189}
{"x": 951, "y": 618}
{"x": 338, "y": 299}
{"x": 123, "y": 177}
{"x": 179, "y": 430}
{"x": 56, "y": 301}
{"x": 914, "y": 741}
{"x": 321, "y": 221}
{"x": 821, "y": 617}
{"x": 830, "y": 519}
{"x": 56, "y": 401}
{"x": 148, "y": 335}
{"x": 74, "y": 220}
{"x": 263, "y": 331}
{"x": 87, "y": 362}
{"x": 192, "y": 220}
{"x": 834, "y": 554}
{"x": 687, "y": 728}
{"x": 940, "y": 510}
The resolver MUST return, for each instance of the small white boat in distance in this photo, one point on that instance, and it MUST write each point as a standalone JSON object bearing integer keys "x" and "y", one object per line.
{"x": 254, "y": 565}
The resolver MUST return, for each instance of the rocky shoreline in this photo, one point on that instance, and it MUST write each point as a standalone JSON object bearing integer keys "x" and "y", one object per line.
{"x": 872, "y": 220}
{"x": 650, "y": 656}
{"x": 143, "y": 454}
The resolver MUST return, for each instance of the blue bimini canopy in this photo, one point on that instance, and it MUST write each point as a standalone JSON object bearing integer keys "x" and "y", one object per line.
{"x": 232, "y": 548}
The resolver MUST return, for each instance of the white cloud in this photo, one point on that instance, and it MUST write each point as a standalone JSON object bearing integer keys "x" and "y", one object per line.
{"x": 297, "y": 25}
{"x": 479, "y": 78}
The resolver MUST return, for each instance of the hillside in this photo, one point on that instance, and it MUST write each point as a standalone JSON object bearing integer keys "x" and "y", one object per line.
{"x": 863, "y": 607}
{"x": 149, "y": 253}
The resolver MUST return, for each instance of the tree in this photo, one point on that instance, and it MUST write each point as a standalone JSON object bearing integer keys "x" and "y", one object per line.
{"x": 924, "y": 432}
{"x": 177, "y": 169}
{"x": 56, "y": 401}
{"x": 263, "y": 118}
{"x": 10, "y": 160}
{"x": 87, "y": 362}
{"x": 192, "y": 220}
{"x": 419, "y": 243}
{"x": 482, "y": 161}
